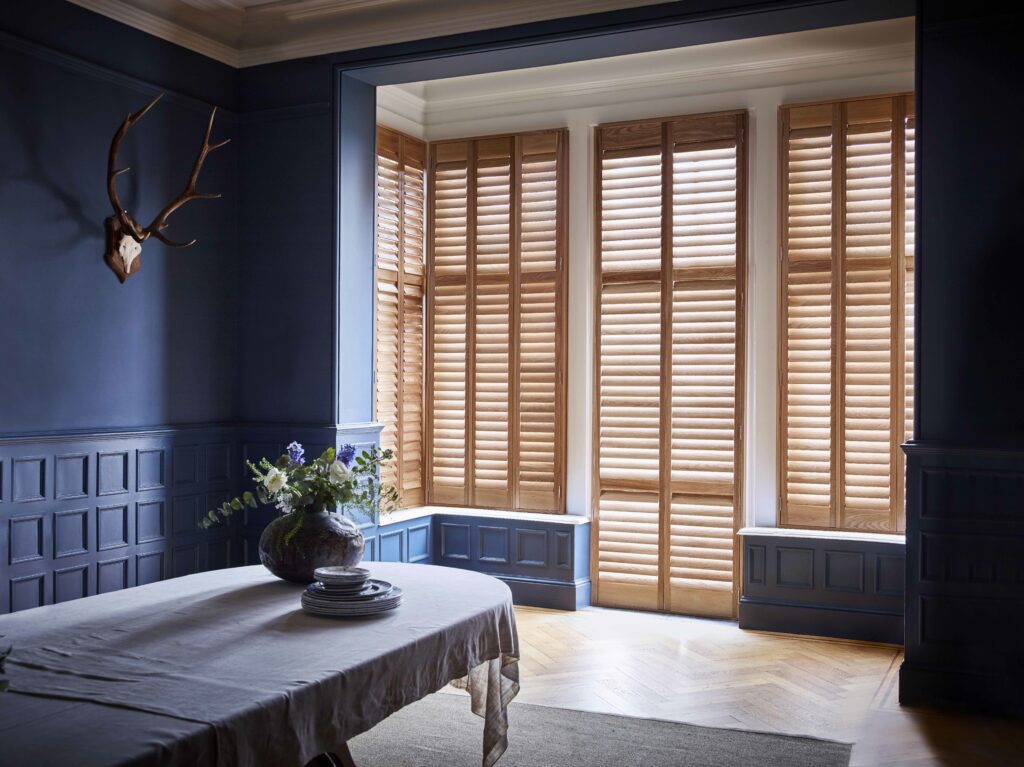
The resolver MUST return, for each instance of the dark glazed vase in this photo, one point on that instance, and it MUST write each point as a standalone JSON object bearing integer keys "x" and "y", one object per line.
{"x": 322, "y": 539}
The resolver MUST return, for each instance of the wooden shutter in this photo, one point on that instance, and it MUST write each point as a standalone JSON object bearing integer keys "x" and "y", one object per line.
{"x": 496, "y": 394}
{"x": 845, "y": 353}
{"x": 669, "y": 382}
{"x": 400, "y": 282}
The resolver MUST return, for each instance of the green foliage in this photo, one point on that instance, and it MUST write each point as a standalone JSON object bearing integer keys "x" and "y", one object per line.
{"x": 324, "y": 483}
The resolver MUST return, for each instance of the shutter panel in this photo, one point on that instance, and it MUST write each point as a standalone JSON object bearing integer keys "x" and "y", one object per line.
{"x": 450, "y": 270}
{"x": 499, "y": 208}
{"x": 539, "y": 407}
{"x": 908, "y": 307}
{"x": 868, "y": 358}
{"x": 629, "y": 445}
{"x": 847, "y": 341}
{"x": 806, "y": 382}
{"x": 399, "y": 308}
{"x": 669, "y": 363}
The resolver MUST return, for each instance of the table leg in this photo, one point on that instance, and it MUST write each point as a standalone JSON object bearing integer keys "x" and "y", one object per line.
{"x": 343, "y": 757}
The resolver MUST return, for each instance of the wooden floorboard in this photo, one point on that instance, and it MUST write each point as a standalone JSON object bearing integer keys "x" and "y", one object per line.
{"x": 712, "y": 673}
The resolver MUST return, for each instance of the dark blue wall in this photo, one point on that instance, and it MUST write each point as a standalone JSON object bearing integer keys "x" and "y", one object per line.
{"x": 79, "y": 350}
{"x": 965, "y": 469}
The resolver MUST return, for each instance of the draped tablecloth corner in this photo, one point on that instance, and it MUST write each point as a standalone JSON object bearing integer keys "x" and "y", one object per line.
{"x": 492, "y": 685}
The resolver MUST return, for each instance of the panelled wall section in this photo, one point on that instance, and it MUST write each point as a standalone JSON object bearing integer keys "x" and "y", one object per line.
{"x": 670, "y": 276}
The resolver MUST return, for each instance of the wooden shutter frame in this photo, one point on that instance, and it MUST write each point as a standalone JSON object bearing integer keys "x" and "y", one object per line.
{"x": 402, "y": 140}
{"x": 667, "y": 274}
{"x": 515, "y": 279}
{"x": 901, "y": 109}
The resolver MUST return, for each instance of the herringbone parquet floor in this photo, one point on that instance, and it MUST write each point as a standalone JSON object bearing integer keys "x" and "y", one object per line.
{"x": 712, "y": 673}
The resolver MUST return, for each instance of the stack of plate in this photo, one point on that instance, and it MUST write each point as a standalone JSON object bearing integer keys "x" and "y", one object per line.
{"x": 349, "y": 592}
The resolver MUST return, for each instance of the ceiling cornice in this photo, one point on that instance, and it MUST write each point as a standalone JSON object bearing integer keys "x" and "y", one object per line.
{"x": 435, "y": 109}
{"x": 165, "y": 30}
{"x": 485, "y": 15}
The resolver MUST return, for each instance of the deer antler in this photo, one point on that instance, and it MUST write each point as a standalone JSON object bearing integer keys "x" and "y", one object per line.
{"x": 190, "y": 193}
{"x": 124, "y": 233}
{"x": 127, "y": 222}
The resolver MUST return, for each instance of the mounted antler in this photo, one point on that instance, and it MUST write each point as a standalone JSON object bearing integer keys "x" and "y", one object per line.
{"x": 124, "y": 234}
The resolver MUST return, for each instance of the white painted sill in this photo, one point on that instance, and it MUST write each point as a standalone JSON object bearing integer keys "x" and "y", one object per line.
{"x": 404, "y": 515}
{"x": 832, "y": 535}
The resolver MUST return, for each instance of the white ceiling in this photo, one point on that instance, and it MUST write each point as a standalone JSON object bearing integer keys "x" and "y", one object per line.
{"x": 250, "y": 32}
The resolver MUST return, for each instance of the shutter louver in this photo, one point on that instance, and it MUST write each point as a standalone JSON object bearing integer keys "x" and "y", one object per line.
{"x": 497, "y": 244}
{"x": 845, "y": 351}
{"x": 669, "y": 363}
{"x": 399, "y": 309}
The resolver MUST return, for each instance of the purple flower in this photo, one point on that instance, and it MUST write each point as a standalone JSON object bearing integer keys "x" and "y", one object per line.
{"x": 346, "y": 454}
{"x": 295, "y": 453}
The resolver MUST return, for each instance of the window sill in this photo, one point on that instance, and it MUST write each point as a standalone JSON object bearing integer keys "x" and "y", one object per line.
{"x": 404, "y": 515}
{"x": 834, "y": 535}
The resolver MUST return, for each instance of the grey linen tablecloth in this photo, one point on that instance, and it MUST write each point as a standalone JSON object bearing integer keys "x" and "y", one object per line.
{"x": 224, "y": 669}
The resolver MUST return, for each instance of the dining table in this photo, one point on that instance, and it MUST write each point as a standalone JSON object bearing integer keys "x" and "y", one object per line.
{"x": 224, "y": 669}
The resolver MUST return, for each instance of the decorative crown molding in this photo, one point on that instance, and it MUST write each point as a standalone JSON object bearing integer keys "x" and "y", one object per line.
{"x": 485, "y": 14}
{"x": 147, "y": 22}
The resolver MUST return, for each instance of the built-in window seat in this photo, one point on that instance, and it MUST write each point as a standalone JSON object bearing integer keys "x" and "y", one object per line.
{"x": 544, "y": 558}
{"x": 823, "y": 582}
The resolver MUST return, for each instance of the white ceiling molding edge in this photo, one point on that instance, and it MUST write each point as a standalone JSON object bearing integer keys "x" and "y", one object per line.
{"x": 431, "y": 110}
{"x": 490, "y": 16}
{"x": 165, "y": 30}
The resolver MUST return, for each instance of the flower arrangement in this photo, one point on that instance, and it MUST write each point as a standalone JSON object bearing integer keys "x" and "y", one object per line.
{"x": 335, "y": 478}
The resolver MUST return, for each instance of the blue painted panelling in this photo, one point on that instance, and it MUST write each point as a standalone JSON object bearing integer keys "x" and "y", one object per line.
{"x": 807, "y": 585}
{"x": 94, "y": 513}
{"x": 546, "y": 564}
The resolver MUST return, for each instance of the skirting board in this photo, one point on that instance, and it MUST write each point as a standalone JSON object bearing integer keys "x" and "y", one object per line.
{"x": 973, "y": 691}
{"x": 531, "y": 592}
{"x": 819, "y": 620}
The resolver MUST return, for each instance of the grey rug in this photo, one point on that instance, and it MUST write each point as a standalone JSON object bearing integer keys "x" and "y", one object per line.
{"x": 441, "y": 731}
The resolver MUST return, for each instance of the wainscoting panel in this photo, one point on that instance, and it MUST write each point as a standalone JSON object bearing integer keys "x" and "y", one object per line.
{"x": 85, "y": 514}
{"x": 545, "y": 563}
{"x": 88, "y": 513}
{"x": 965, "y": 579}
{"x": 824, "y": 586}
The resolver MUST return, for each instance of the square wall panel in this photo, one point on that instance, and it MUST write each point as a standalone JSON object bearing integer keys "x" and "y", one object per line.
{"x": 149, "y": 472}
{"x": 794, "y": 567}
{"x": 112, "y": 473}
{"x": 419, "y": 543}
{"x": 70, "y": 583}
{"x": 392, "y": 546}
{"x": 493, "y": 544}
{"x": 28, "y": 479}
{"x": 844, "y": 571}
{"x": 185, "y": 560}
{"x": 26, "y": 538}
{"x": 532, "y": 548}
{"x": 454, "y": 541}
{"x": 28, "y": 591}
{"x": 150, "y": 524}
{"x": 70, "y": 533}
{"x": 185, "y": 465}
{"x": 218, "y": 462}
{"x": 111, "y": 527}
{"x": 149, "y": 567}
{"x": 184, "y": 514}
{"x": 111, "y": 575}
{"x": 72, "y": 476}
{"x": 218, "y": 554}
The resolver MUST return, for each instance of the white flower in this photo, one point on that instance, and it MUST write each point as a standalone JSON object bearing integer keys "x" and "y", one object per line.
{"x": 275, "y": 481}
{"x": 338, "y": 473}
